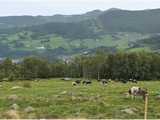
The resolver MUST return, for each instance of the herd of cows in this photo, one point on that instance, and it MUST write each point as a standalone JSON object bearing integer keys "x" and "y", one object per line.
{"x": 102, "y": 81}
{"x": 133, "y": 91}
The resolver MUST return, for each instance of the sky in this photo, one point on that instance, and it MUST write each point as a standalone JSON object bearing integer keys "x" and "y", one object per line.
{"x": 68, "y": 7}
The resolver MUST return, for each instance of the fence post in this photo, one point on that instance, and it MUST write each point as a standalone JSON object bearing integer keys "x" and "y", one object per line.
{"x": 146, "y": 107}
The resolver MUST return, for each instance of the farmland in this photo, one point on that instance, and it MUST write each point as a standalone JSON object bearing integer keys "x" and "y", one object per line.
{"x": 55, "y": 98}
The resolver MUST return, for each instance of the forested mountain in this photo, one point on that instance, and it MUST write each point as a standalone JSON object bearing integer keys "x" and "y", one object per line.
{"x": 65, "y": 35}
{"x": 24, "y": 21}
{"x": 144, "y": 21}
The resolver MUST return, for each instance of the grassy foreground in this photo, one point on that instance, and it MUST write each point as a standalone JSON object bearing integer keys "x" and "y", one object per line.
{"x": 55, "y": 98}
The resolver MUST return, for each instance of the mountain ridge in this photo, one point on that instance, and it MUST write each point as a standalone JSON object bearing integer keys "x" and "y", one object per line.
{"x": 110, "y": 30}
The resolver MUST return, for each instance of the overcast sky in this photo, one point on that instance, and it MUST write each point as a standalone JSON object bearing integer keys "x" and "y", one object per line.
{"x": 51, "y": 7}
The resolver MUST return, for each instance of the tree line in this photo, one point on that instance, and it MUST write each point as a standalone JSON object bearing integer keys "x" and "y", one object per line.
{"x": 118, "y": 66}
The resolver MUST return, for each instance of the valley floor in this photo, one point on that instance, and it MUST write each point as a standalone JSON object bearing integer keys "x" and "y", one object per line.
{"x": 56, "y": 98}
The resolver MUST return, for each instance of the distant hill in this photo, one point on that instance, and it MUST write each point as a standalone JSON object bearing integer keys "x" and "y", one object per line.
{"x": 25, "y": 21}
{"x": 60, "y": 35}
{"x": 143, "y": 21}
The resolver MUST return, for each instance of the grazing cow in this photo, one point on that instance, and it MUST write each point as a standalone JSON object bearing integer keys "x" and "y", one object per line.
{"x": 66, "y": 79}
{"x": 133, "y": 80}
{"x": 87, "y": 82}
{"x": 109, "y": 80}
{"x": 137, "y": 91}
{"x": 74, "y": 84}
{"x": 104, "y": 82}
{"x": 78, "y": 81}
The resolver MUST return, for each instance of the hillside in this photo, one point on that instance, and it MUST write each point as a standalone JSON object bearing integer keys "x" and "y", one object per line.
{"x": 153, "y": 42}
{"x": 66, "y": 35}
{"x": 24, "y": 21}
{"x": 144, "y": 21}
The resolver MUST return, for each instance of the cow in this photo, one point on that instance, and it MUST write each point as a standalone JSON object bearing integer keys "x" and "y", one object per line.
{"x": 78, "y": 81}
{"x": 104, "y": 82}
{"x": 109, "y": 80}
{"x": 86, "y": 82}
{"x": 74, "y": 83}
{"x": 66, "y": 79}
{"x": 137, "y": 91}
{"x": 133, "y": 81}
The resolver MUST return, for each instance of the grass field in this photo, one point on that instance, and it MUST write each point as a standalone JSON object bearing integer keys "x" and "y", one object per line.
{"x": 55, "y": 98}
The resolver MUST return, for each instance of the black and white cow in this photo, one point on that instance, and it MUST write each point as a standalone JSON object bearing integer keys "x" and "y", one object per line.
{"x": 74, "y": 83}
{"x": 104, "y": 82}
{"x": 137, "y": 91}
{"x": 133, "y": 81}
{"x": 86, "y": 82}
{"x": 77, "y": 82}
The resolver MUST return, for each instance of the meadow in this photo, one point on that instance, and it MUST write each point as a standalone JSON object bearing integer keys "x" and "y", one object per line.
{"x": 55, "y": 98}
